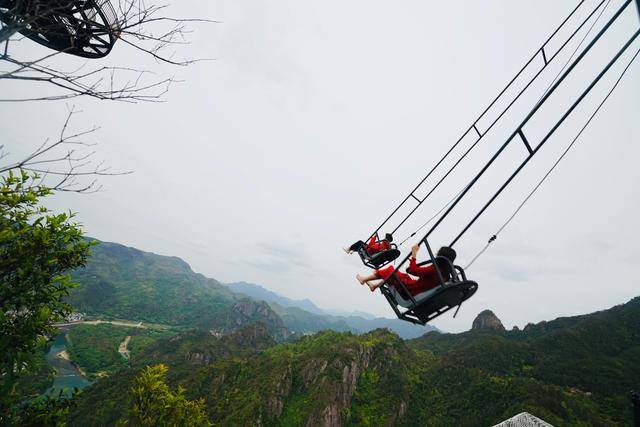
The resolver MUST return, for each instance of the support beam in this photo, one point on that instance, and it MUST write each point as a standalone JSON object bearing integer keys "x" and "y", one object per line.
{"x": 476, "y": 128}
{"x": 524, "y": 139}
{"x": 553, "y": 129}
{"x": 493, "y": 103}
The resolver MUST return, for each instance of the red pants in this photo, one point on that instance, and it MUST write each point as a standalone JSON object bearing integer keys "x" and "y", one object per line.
{"x": 413, "y": 286}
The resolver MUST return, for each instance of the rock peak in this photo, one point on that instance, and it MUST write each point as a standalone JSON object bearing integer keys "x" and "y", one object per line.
{"x": 487, "y": 320}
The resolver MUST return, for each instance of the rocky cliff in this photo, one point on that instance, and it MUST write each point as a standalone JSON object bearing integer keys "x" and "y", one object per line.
{"x": 246, "y": 312}
{"x": 487, "y": 320}
{"x": 569, "y": 371}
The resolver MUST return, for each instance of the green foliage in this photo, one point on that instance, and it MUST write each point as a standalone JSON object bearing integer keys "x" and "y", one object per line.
{"x": 95, "y": 347}
{"x": 154, "y": 404}
{"x": 37, "y": 249}
{"x": 125, "y": 283}
{"x": 39, "y": 377}
{"x": 568, "y": 371}
{"x": 47, "y": 410}
{"x": 574, "y": 373}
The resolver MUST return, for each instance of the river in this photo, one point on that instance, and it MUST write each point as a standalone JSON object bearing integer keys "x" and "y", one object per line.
{"x": 67, "y": 374}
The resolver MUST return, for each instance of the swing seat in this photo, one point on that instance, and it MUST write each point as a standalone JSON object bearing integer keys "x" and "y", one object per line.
{"x": 433, "y": 303}
{"x": 379, "y": 259}
{"x": 428, "y": 305}
{"x": 383, "y": 258}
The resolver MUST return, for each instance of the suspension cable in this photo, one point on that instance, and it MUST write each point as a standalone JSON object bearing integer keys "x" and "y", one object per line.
{"x": 432, "y": 217}
{"x": 518, "y": 130}
{"x": 544, "y": 178}
{"x": 544, "y": 93}
{"x": 577, "y": 48}
{"x": 473, "y": 127}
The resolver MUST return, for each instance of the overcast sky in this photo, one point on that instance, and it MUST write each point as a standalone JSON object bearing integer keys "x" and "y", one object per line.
{"x": 317, "y": 118}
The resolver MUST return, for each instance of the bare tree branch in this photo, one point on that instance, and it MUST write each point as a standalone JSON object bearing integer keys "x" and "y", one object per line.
{"x": 63, "y": 165}
{"x": 98, "y": 25}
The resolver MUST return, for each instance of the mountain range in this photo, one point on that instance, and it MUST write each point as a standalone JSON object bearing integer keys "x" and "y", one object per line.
{"x": 304, "y": 317}
{"x": 121, "y": 282}
{"x": 570, "y": 371}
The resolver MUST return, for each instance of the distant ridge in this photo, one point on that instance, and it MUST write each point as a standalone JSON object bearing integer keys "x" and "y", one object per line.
{"x": 304, "y": 317}
{"x": 258, "y": 292}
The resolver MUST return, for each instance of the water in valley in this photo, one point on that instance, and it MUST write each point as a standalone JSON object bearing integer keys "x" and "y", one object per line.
{"x": 67, "y": 374}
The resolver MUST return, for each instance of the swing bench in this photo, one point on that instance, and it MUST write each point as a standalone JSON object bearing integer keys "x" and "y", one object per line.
{"x": 453, "y": 290}
{"x": 379, "y": 259}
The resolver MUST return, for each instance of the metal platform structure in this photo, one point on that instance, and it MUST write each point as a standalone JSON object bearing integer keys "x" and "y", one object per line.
{"x": 85, "y": 28}
{"x": 524, "y": 419}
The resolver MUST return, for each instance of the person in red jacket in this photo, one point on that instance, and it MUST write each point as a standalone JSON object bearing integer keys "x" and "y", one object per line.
{"x": 427, "y": 276}
{"x": 373, "y": 246}
{"x": 378, "y": 277}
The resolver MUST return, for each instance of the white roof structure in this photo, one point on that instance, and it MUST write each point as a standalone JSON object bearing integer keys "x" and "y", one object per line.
{"x": 524, "y": 419}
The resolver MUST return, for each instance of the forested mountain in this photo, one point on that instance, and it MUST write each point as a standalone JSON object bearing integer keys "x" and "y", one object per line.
{"x": 126, "y": 283}
{"x": 303, "y": 317}
{"x": 573, "y": 368}
{"x": 258, "y": 292}
{"x": 570, "y": 371}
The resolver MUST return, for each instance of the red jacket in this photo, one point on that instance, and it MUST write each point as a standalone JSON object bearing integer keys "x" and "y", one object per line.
{"x": 373, "y": 246}
{"x": 427, "y": 275}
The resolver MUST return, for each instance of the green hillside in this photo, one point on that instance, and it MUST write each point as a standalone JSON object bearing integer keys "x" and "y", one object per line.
{"x": 573, "y": 371}
{"x": 127, "y": 283}
{"x": 591, "y": 359}
{"x": 120, "y": 282}
{"x": 94, "y": 348}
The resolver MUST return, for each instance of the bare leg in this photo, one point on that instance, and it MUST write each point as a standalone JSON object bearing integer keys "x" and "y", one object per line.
{"x": 365, "y": 279}
{"x": 374, "y": 286}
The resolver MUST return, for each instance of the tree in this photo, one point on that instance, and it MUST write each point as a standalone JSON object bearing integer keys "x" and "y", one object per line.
{"x": 64, "y": 164}
{"x": 90, "y": 29}
{"x": 37, "y": 250}
{"x": 47, "y": 410}
{"x": 154, "y": 404}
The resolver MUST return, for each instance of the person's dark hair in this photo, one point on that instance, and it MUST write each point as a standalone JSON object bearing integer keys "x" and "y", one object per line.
{"x": 388, "y": 237}
{"x": 447, "y": 253}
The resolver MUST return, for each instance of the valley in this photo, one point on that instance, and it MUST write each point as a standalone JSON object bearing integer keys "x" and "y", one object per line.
{"x": 270, "y": 361}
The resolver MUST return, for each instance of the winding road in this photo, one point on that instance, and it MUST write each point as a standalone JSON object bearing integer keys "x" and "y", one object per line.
{"x": 97, "y": 322}
{"x": 122, "y": 349}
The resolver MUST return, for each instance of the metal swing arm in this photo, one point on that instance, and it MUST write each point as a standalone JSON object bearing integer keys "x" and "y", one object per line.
{"x": 531, "y": 152}
{"x": 540, "y": 53}
{"x": 560, "y": 121}
{"x": 550, "y": 92}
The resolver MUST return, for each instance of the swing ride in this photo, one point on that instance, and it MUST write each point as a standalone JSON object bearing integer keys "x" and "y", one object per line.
{"x": 85, "y": 28}
{"x": 453, "y": 286}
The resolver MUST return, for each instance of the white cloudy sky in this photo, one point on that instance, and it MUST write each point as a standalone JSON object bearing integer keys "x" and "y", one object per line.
{"x": 316, "y": 118}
